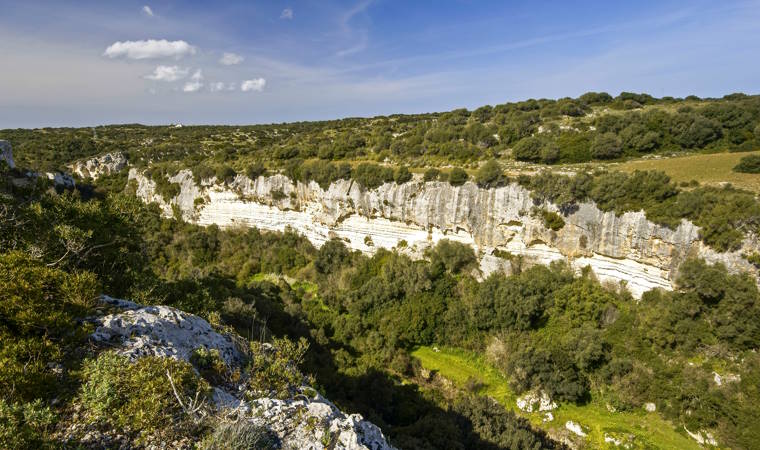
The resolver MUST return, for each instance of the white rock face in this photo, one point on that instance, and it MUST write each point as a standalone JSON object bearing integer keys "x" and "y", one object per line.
{"x": 317, "y": 424}
{"x": 535, "y": 401}
{"x": 702, "y": 437}
{"x": 727, "y": 378}
{"x": 575, "y": 428}
{"x": 100, "y": 165}
{"x": 6, "y": 153}
{"x": 61, "y": 179}
{"x": 626, "y": 248}
{"x": 163, "y": 331}
{"x": 304, "y": 423}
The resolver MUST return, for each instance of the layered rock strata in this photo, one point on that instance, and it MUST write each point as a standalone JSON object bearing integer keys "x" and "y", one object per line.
{"x": 499, "y": 223}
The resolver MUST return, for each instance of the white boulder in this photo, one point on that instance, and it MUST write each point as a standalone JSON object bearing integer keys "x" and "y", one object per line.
{"x": 536, "y": 401}
{"x": 575, "y": 428}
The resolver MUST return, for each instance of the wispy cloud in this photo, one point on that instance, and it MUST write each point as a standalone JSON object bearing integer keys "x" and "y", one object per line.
{"x": 147, "y": 11}
{"x": 287, "y": 13}
{"x": 360, "y": 36}
{"x": 256, "y": 84}
{"x": 149, "y": 49}
{"x": 195, "y": 84}
{"x": 230, "y": 59}
{"x": 168, "y": 73}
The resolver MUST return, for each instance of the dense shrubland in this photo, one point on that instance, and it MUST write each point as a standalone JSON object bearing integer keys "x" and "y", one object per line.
{"x": 594, "y": 126}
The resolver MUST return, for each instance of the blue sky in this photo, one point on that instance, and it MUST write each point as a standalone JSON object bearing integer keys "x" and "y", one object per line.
{"x": 77, "y": 63}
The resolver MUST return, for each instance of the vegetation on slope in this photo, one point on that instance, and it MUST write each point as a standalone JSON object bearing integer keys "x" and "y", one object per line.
{"x": 594, "y": 126}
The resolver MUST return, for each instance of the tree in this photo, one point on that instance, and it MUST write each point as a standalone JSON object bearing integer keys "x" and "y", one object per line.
{"x": 431, "y": 174}
{"x": 490, "y": 175}
{"x": 457, "y": 176}
{"x": 606, "y": 146}
{"x": 451, "y": 255}
{"x": 748, "y": 164}
{"x": 402, "y": 175}
{"x": 528, "y": 149}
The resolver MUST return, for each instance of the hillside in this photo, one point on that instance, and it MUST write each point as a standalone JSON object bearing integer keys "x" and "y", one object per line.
{"x": 428, "y": 272}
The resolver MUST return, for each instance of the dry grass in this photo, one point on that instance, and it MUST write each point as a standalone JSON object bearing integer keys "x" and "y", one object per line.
{"x": 711, "y": 169}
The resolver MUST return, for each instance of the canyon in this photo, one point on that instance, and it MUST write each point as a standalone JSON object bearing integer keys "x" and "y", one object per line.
{"x": 625, "y": 250}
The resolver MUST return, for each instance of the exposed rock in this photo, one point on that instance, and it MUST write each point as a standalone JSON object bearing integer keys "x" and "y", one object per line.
{"x": 164, "y": 331}
{"x": 702, "y": 437}
{"x": 100, "y": 165}
{"x": 650, "y": 407}
{"x": 6, "y": 153}
{"x": 316, "y": 424}
{"x": 61, "y": 179}
{"x": 303, "y": 423}
{"x": 727, "y": 378}
{"x": 497, "y": 222}
{"x": 536, "y": 401}
{"x": 575, "y": 428}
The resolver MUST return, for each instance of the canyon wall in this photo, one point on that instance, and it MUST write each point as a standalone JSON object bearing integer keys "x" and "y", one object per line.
{"x": 622, "y": 249}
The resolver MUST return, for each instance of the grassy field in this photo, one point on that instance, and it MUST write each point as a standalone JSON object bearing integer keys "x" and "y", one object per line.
{"x": 648, "y": 430}
{"x": 710, "y": 169}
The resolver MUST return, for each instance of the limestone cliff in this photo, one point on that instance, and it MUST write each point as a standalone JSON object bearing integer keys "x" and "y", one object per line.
{"x": 98, "y": 166}
{"x": 498, "y": 222}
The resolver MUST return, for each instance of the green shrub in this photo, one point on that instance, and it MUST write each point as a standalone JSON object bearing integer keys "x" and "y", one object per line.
{"x": 274, "y": 368}
{"x": 490, "y": 175}
{"x": 25, "y": 425}
{"x": 606, "y": 146}
{"x": 225, "y": 174}
{"x": 402, "y": 175}
{"x": 551, "y": 220}
{"x": 452, "y": 256}
{"x": 212, "y": 367}
{"x": 255, "y": 170}
{"x": 39, "y": 323}
{"x": 138, "y": 395}
{"x": 431, "y": 174}
{"x": 457, "y": 176}
{"x": 748, "y": 164}
{"x": 372, "y": 175}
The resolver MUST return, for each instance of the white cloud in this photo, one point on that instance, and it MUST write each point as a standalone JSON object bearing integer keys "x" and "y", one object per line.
{"x": 230, "y": 59}
{"x": 149, "y": 49}
{"x": 221, "y": 86}
{"x": 168, "y": 73}
{"x": 287, "y": 13}
{"x": 257, "y": 84}
{"x": 195, "y": 84}
{"x": 147, "y": 11}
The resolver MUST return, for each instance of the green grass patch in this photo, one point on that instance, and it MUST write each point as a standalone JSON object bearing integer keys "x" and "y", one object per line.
{"x": 648, "y": 429}
{"x": 712, "y": 169}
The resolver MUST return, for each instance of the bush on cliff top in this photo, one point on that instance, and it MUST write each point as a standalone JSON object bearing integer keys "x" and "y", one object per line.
{"x": 138, "y": 395}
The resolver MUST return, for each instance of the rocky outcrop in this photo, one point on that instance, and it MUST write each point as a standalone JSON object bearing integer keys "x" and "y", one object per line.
{"x": 498, "y": 222}
{"x": 307, "y": 422}
{"x": 98, "y": 166}
{"x": 163, "y": 331}
{"x": 61, "y": 179}
{"x": 6, "y": 153}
